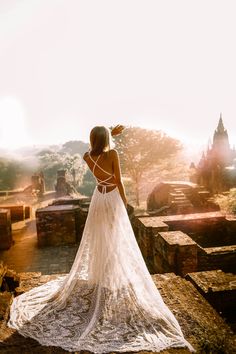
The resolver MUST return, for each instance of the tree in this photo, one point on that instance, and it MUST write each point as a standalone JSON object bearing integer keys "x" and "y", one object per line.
{"x": 88, "y": 184}
{"x": 51, "y": 162}
{"x": 13, "y": 174}
{"x": 141, "y": 149}
{"x": 75, "y": 147}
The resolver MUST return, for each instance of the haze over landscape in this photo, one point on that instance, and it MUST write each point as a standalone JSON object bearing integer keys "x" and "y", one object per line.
{"x": 67, "y": 66}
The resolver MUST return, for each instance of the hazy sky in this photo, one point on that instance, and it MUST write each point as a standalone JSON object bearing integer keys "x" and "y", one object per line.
{"x": 67, "y": 65}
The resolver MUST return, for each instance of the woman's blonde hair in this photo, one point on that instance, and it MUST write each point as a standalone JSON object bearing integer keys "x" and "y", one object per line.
{"x": 99, "y": 140}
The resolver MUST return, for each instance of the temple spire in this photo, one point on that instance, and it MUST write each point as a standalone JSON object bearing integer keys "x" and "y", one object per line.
{"x": 220, "y": 127}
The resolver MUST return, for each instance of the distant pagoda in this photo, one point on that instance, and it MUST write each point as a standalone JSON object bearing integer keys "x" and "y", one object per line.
{"x": 215, "y": 170}
{"x": 220, "y": 148}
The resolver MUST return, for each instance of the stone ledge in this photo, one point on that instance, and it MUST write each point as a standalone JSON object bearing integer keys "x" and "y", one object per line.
{"x": 177, "y": 238}
{"x": 152, "y": 220}
{"x": 213, "y": 280}
{"x": 219, "y": 289}
{"x": 221, "y": 249}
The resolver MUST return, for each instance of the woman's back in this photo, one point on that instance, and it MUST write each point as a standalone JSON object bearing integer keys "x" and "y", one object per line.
{"x": 103, "y": 168}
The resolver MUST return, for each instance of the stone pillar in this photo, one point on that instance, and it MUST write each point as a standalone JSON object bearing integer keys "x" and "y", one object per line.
{"x": 146, "y": 228}
{"x": 38, "y": 184}
{"x": 62, "y": 187}
{"x": 5, "y": 229}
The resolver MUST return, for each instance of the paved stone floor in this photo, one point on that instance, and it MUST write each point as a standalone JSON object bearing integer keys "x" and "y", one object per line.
{"x": 201, "y": 324}
{"x": 26, "y": 256}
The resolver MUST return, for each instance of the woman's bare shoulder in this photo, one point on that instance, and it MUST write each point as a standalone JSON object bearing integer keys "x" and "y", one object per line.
{"x": 113, "y": 152}
{"x": 86, "y": 155}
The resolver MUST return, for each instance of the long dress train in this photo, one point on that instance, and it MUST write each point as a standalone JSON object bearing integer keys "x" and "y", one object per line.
{"x": 108, "y": 302}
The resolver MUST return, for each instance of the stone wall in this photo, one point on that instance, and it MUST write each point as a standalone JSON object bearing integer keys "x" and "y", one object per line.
{"x": 166, "y": 247}
{"x": 211, "y": 230}
{"x": 217, "y": 258}
{"x": 62, "y": 222}
{"x": 175, "y": 251}
{"x": 17, "y": 212}
{"x": 57, "y": 225}
{"x": 145, "y": 230}
{"x": 82, "y": 203}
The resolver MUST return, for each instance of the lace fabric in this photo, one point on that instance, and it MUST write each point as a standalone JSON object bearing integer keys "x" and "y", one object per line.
{"x": 108, "y": 302}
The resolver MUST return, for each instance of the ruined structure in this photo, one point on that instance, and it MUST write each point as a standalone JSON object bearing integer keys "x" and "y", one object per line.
{"x": 37, "y": 186}
{"x": 169, "y": 198}
{"x": 217, "y": 167}
{"x": 63, "y": 187}
{"x": 62, "y": 222}
{"x": 18, "y": 212}
{"x": 57, "y": 225}
{"x": 187, "y": 243}
{"x": 181, "y": 244}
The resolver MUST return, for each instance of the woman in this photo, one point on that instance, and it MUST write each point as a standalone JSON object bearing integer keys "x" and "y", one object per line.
{"x": 108, "y": 302}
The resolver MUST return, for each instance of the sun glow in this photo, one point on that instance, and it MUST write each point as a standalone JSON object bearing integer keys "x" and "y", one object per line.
{"x": 13, "y": 132}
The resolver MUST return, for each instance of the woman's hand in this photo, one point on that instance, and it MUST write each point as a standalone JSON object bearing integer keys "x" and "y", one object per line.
{"x": 117, "y": 129}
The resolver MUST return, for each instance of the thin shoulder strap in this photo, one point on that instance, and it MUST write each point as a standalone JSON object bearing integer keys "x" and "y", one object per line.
{"x": 95, "y": 161}
{"x": 95, "y": 164}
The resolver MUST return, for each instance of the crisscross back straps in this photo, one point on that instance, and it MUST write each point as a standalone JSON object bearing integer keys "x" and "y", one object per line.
{"x": 102, "y": 182}
{"x": 96, "y": 164}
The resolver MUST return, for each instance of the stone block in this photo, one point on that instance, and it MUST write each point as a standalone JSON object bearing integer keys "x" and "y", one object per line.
{"x": 81, "y": 201}
{"x": 219, "y": 288}
{"x": 27, "y": 212}
{"x": 5, "y": 229}
{"x": 145, "y": 230}
{"x": 176, "y": 251}
{"x": 17, "y": 212}
{"x": 57, "y": 225}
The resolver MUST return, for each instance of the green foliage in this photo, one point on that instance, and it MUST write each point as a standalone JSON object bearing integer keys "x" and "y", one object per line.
{"x": 51, "y": 162}
{"x": 75, "y": 147}
{"x": 142, "y": 149}
{"x": 13, "y": 174}
{"x": 88, "y": 184}
{"x": 227, "y": 202}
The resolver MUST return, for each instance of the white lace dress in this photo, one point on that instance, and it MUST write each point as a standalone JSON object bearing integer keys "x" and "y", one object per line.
{"x": 108, "y": 302}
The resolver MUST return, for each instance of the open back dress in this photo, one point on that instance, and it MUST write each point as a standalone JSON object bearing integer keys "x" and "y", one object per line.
{"x": 108, "y": 302}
